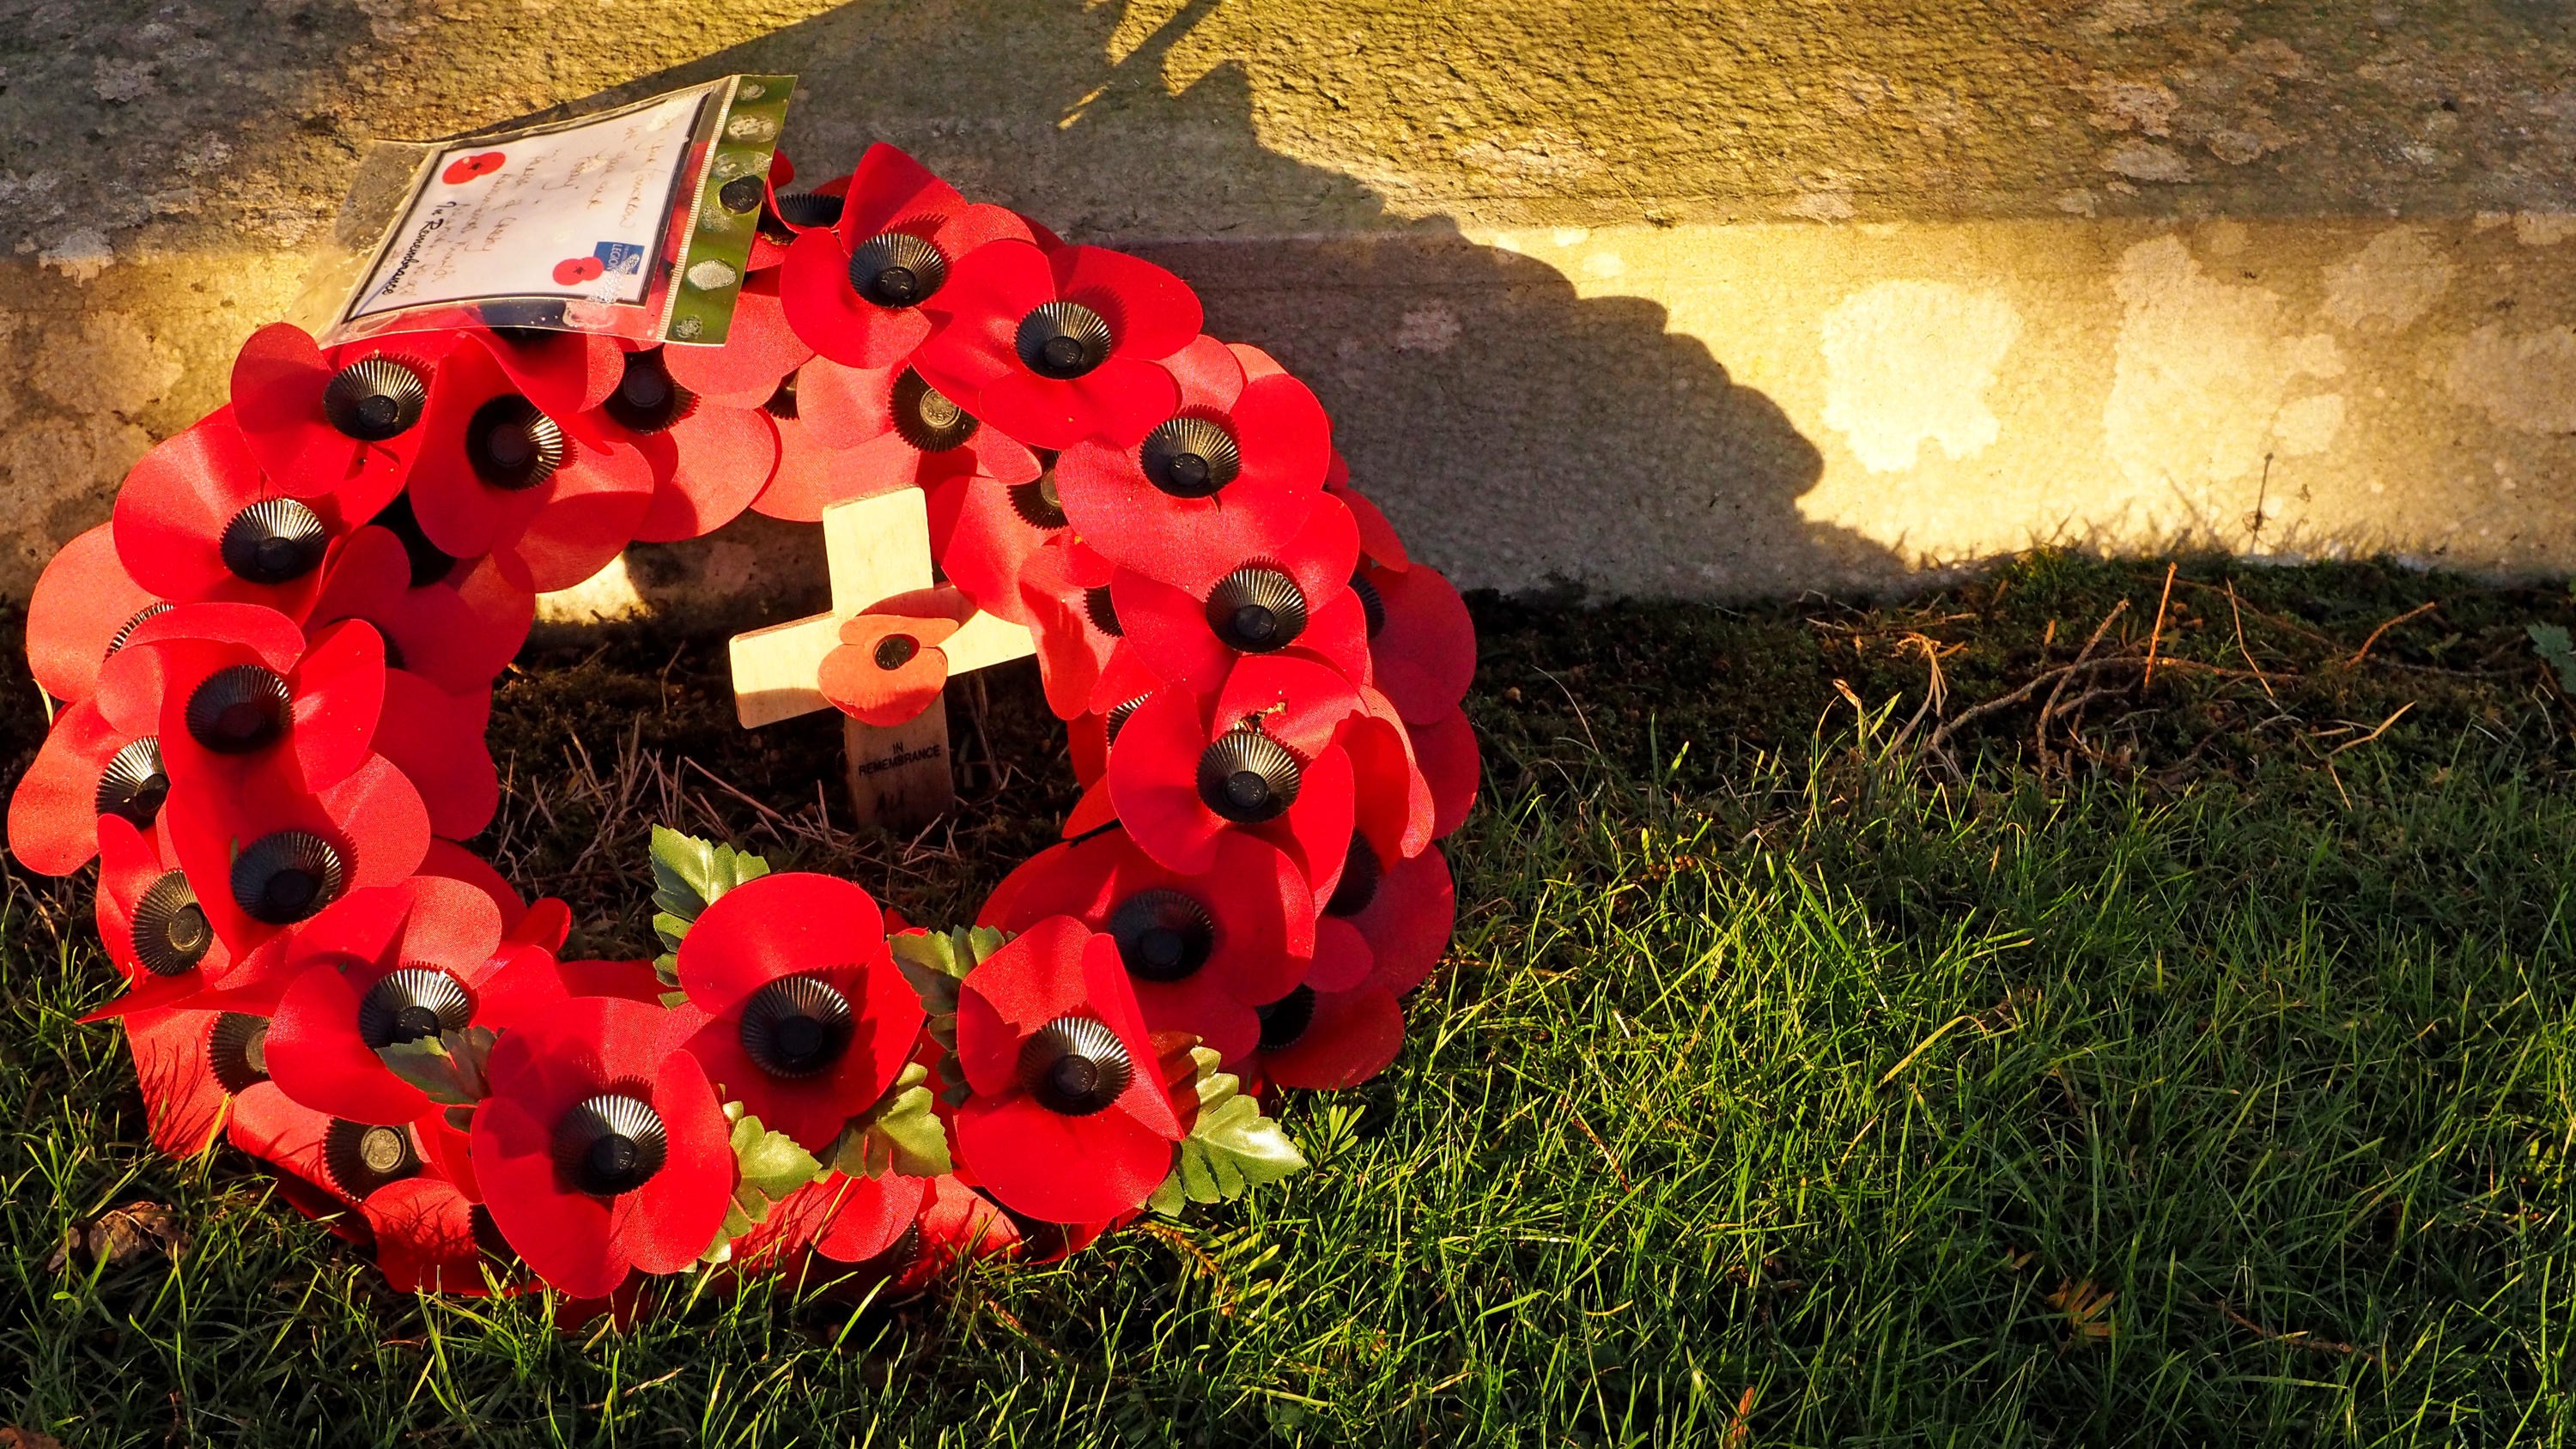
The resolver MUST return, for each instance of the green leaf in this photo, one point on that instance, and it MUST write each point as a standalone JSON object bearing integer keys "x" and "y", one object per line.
{"x": 902, "y": 1133}
{"x": 771, "y": 1162}
{"x": 1231, "y": 1148}
{"x": 449, "y": 1067}
{"x": 690, "y": 874}
{"x": 2552, "y": 643}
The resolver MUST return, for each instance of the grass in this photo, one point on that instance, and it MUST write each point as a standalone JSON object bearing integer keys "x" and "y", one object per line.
{"x": 2186, "y": 1064}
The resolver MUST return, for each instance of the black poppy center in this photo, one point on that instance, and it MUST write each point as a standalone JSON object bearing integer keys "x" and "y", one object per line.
{"x": 796, "y": 1026}
{"x": 1062, "y": 340}
{"x": 170, "y": 934}
{"x": 133, "y": 784}
{"x": 782, "y": 403}
{"x": 1037, "y": 502}
{"x": 1163, "y": 934}
{"x": 646, "y": 399}
{"x": 237, "y": 1051}
{"x": 1255, "y": 610}
{"x": 927, "y": 418}
{"x": 1102, "y": 611}
{"x": 511, "y": 444}
{"x": 286, "y": 876}
{"x": 126, "y": 630}
{"x": 410, "y": 1004}
{"x": 897, "y": 269}
{"x": 1248, "y": 777}
{"x": 1190, "y": 457}
{"x": 273, "y": 541}
{"x": 1372, "y": 603}
{"x": 239, "y": 709}
{"x": 373, "y": 399}
{"x": 1075, "y": 1066}
{"x": 1284, "y": 1021}
{"x": 894, "y": 651}
{"x": 610, "y": 1144}
{"x": 1361, "y": 872}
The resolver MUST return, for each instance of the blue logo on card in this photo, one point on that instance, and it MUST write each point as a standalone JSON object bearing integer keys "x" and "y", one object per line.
{"x": 619, "y": 258}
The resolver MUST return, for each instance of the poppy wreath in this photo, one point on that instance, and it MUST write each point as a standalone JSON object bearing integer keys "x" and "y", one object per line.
{"x": 274, "y": 666}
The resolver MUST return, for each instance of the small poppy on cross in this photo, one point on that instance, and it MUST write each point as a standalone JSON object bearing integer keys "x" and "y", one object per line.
{"x": 893, "y": 638}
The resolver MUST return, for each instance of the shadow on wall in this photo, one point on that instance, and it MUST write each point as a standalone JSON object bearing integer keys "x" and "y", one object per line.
{"x": 1513, "y": 430}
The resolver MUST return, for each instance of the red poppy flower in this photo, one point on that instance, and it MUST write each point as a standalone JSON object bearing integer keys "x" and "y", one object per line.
{"x": 561, "y": 372}
{"x": 759, "y": 351}
{"x": 1452, "y": 766}
{"x": 1231, "y": 475}
{"x": 315, "y": 420}
{"x": 602, "y": 1148}
{"x": 276, "y": 855}
{"x": 153, "y": 927}
{"x": 183, "y": 1102}
{"x": 84, "y": 603}
{"x": 1387, "y": 922}
{"x": 862, "y": 293}
{"x": 956, "y": 1224}
{"x": 496, "y": 474}
{"x": 1064, "y": 591}
{"x": 1055, "y": 347}
{"x": 454, "y": 622}
{"x": 1379, "y": 542}
{"x": 844, "y": 1220}
{"x": 897, "y": 431}
{"x": 86, "y": 768}
{"x": 1193, "y": 628}
{"x": 1260, "y": 756}
{"x": 1323, "y": 1040}
{"x": 376, "y": 969}
{"x": 426, "y": 1237}
{"x": 1201, "y": 950}
{"x": 1394, "y": 805}
{"x": 1421, "y": 642}
{"x": 786, "y": 215}
{"x": 807, "y": 1020}
{"x": 708, "y": 461}
{"x": 196, "y": 521}
{"x": 1070, "y": 1121}
{"x": 436, "y": 740}
{"x": 887, "y": 668}
{"x": 227, "y": 688}
{"x": 985, "y": 526}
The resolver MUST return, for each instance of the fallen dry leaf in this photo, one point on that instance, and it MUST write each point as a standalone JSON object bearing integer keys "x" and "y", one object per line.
{"x": 13, "y": 1437}
{"x": 2087, "y": 1309}
{"x": 120, "y": 1236}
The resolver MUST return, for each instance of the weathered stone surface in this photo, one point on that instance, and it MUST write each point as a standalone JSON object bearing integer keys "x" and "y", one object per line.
{"x": 1706, "y": 299}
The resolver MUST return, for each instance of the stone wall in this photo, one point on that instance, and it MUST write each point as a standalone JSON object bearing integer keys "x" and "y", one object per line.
{"x": 1697, "y": 299}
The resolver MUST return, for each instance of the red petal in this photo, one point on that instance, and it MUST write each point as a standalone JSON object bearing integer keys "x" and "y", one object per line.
{"x": 1392, "y": 800}
{"x": 451, "y": 861}
{"x": 563, "y": 1235}
{"x": 1153, "y": 781}
{"x": 317, "y": 1057}
{"x": 1301, "y": 702}
{"x": 436, "y": 740}
{"x": 1316, "y": 831}
{"x": 1378, "y": 537}
{"x": 425, "y": 1237}
{"x": 983, "y": 541}
{"x": 269, "y": 1125}
{"x": 830, "y": 316}
{"x": 590, "y": 510}
{"x": 457, "y": 633}
{"x": 1425, "y": 656}
{"x": 1342, "y": 956}
{"x": 277, "y": 382}
{"x": 174, "y": 506}
{"x": 988, "y": 291}
{"x": 1036, "y": 977}
{"x": 759, "y": 349}
{"x": 1171, "y": 630}
{"x": 82, "y": 599}
{"x": 1353, "y": 1037}
{"x": 1060, "y": 1169}
{"x": 724, "y": 458}
{"x": 844, "y": 407}
{"x": 182, "y": 1102}
{"x": 777, "y": 925}
{"x": 53, "y": 814}
{"x": 1409, "y": 920}
{"x": 1453, "y": 768}
{"x": 340, "y": 697}
{"x": 563, "y": 373}
{"x": 867, "y": 1215}
{"x": 888, "y": 189}
{"x": 665, "y": 1224}
{"x": 1151, "y": 313}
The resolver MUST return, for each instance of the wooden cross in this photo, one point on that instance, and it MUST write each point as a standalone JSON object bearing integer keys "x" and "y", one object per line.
{"x": 876, "y": 548}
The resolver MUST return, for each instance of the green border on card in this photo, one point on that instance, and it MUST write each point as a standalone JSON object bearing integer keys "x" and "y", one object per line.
{"x": 709, "y": 278}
